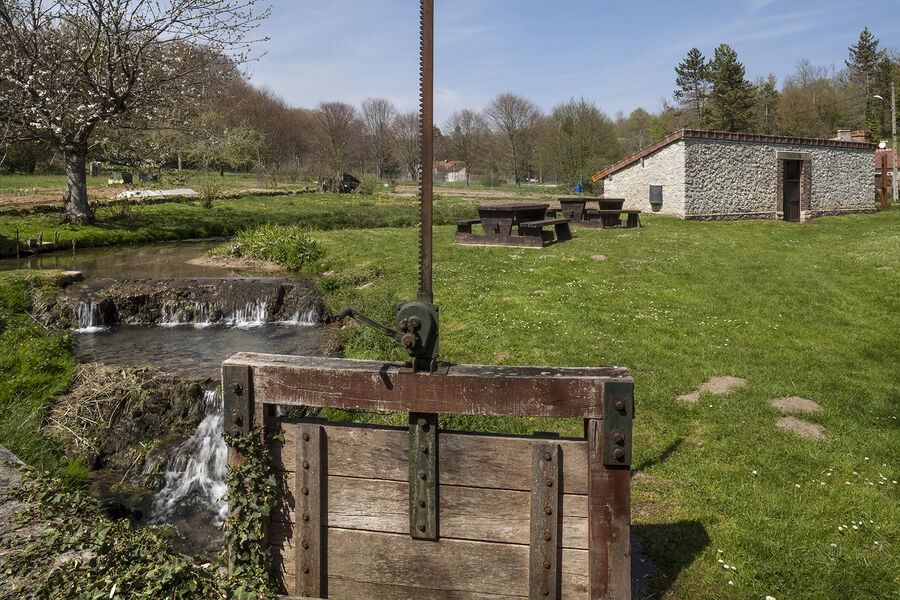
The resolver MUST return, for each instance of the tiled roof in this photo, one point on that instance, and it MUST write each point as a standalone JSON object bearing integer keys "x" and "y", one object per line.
{"x": 730, "y": 137}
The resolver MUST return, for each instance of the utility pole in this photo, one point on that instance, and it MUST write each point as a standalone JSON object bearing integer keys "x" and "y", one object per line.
{"x": 894, "y": 147}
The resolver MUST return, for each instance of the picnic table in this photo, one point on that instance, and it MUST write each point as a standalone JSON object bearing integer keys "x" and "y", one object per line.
{"x": 497, "y": 222}
{"x": 607, "y": 214}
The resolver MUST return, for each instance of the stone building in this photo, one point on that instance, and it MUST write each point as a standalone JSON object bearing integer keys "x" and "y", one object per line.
{"x": 709, "y": 175}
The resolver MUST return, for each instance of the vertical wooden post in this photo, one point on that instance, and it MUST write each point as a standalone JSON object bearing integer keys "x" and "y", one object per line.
{"x": 309, "y": 513}
{"x": 609, "y": 521}
{"x": 238, "y": 417}
{"x": 884, "y": 203}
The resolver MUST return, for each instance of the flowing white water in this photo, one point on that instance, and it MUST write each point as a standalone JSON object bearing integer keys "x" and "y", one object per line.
{"x": 86, "y": 318}
{"x": 195, "y": 474}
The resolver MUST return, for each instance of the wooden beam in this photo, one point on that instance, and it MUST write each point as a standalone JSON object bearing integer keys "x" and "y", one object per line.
{"x": 609, "y": 521}
{"x": 546, "y": 513}
{"x": 459, "y": 389}
{"x": 309, "y": 554}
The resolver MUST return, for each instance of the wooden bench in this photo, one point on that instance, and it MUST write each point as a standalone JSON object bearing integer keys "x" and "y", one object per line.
{"x": 610, "y": 218}
{"x": 465, "y": 225}
{"x": 536, "y": 228}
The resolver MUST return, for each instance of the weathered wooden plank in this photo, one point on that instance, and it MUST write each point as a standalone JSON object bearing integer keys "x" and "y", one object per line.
{"x": 444, "y": 569}
{"x": 609, "y": 521}
{"x": 543, "y": 564}
{"x": 462, "y": 389}
{"x": 466, "y": 459}
{"x": 310, "y": 510}
{"x": 465, "y": 513}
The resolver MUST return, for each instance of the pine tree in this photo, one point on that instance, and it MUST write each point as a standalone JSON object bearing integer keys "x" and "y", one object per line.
{"x": 731, "y": 99}
{"x": 766, "y": 105}
{"x": 692, "y": 82}
{"x": 863, "y": 62}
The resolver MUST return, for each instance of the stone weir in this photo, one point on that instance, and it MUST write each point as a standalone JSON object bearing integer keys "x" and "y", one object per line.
{"x": 100, "y": 303}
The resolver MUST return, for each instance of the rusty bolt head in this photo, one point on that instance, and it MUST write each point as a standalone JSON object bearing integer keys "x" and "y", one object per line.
{"x": 619, "y": 454}
{"x": 408, "y": 341}
{"x": 305, "y": 569}
{"x": 306, "y": 464}
{"x": 237, "y": 387}
{"x": 545, "y": 591}
{"x": 421, "y": 526}
{"x": 618, "y": 437}
{"x": 414, "y": 323}
{"x": 403, "y": 326}
{"x": 548, "y": 510}
{"x": 423, "y": 449}
{"x": 422, "y": 503}
{"x": 236, "y": 431}
{"x": 305, "y": 491}
{"x": 306, "y": 516}
{"x": 546, "y": 564}
{"x": 305, "y": 437}
{"x": 236, "y": 419}
{"x": 548, "y": 482}
{"x": 548, "y": 456}
{"x": 305, "y": 545}
{"x": 620, "y": 404}
{"x": 547, "y": 536}
{"x": 422, "y": 474}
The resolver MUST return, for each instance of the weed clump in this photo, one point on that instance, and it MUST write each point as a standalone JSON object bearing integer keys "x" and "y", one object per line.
{"x": 289, "y": 247}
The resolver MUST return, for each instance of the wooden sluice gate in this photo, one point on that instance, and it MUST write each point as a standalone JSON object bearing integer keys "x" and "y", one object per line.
{"x": 389, "y": 512}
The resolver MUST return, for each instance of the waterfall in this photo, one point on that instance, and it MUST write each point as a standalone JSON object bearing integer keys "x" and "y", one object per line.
{"x": 195, "y": 473}
{"x": 303, "y": 317}
{"x": 86, "y": 318}
{"x": 253, "y": 314}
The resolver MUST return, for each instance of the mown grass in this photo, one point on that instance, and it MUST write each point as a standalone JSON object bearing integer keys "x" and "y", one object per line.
{"x": 139, "y": 223}
{"x": 37, "y": 365}
{"x": 811, "y": 310}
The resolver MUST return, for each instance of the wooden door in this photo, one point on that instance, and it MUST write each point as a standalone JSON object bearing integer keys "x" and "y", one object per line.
{"x": 791, "y": 191}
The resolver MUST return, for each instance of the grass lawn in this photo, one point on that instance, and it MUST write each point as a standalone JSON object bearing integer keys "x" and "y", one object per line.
{"x": 57, "y": 181}
{"x": 137, "y": 223}
{"x": 810, "y": 310}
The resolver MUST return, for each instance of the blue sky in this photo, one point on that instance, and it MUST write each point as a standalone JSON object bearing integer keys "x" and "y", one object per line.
{"x": 620, "y": 55}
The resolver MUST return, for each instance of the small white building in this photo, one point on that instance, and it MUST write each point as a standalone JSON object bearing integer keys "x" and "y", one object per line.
{"x": 451, "y": 171}
{"x": 710, "y": 175}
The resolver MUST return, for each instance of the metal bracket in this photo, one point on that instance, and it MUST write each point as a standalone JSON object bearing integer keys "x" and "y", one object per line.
{"x": 618, "y": 413}
{"x": 423, "y": 476}
{"x": 236, "y": 395}
{"x": 308, "y": 502}
{"x": 543, "y": 564}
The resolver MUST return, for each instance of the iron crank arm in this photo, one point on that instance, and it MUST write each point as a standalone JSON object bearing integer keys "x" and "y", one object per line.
{"x": 416, "y": 330}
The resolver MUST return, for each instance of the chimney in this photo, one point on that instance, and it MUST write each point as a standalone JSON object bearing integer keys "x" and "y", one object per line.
{"x": 843, "y": 135}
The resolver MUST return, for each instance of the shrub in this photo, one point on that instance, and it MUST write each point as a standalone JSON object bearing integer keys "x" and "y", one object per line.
{"x": 210, "y": 189}
{"x": 289, "y": 247}
{"x": 367, "y": 185}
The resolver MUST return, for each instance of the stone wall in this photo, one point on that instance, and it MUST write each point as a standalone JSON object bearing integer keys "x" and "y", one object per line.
{"x": 725, "y": 179}
{"x": 664, "y": 167}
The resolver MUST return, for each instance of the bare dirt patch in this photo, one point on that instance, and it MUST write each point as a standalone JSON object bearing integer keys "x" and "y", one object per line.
{"x": 795, "y": 404}
{"x": 804, "y": 429}
{"x": 598, "y": 257}
{"x": 718, "y": 384}
{"x": 235, "y": 262}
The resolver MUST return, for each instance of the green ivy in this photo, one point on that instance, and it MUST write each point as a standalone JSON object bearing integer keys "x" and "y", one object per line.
{"x": 252, "y": 493}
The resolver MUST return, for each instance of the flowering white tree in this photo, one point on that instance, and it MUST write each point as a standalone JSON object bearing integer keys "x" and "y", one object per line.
{"x": 69, "y": 68}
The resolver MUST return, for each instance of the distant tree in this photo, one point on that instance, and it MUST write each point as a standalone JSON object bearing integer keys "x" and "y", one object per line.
{"x": 377, "y": 116}
{"x": 730, "y": 106}
{"x": 578, "y": 140}
{"x": 406, "y": 136}
{"x": 515, "y": 120}
{"x": 765, "y": 106}
{"x": 336, "y": 129}
{"x": 467, "y": 131}
{"x": 863, "y": 63}
{"x": 693, "y": 82}
{"x": 67, "y": 67}
{"x": 634, "y": 131}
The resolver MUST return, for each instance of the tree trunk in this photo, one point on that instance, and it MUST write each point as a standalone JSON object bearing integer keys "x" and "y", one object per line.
{"x": 75, "y": 196}
{"x": 179, "y": 161}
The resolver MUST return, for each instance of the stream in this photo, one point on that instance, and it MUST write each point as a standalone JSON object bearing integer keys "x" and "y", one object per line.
{"x": 190, "y": 336}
